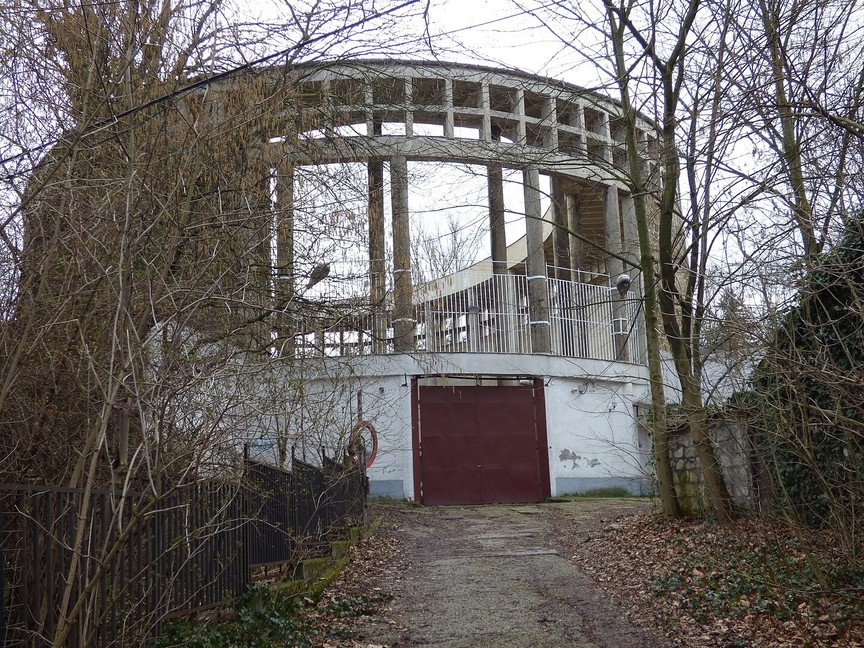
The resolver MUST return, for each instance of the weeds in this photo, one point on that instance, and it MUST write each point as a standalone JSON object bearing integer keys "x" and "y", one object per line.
{"x": 267, "y": 619}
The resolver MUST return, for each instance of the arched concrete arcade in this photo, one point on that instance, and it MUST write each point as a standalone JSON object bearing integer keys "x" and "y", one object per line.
{"x": 548, "y": 294}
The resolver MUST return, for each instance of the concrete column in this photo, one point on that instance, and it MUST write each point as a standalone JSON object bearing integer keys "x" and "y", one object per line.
{"x": 486, "y": 135}
{"x": 612, "y": 218}
{"x": 550, "y": 119}
{"x": 564, "y": 307}
{"x": 620, "y": 321}
{"x": 257, "y": 295}
{"x": 504, "y": 315}
{"x": 629, "y": 232}
{"x": 561, "y": 235}
{"x": 409, "y": 108}
{"x": 284, "y": 202}
{"x": 538, "y": 289}
{"x": 497, "y": 232}
{"x": 578, "y": 122}
{"x": 368, "y": 101}
{"x": 631, "y": 251}
{"x": 403, "y": 308}
{"x": 448, "y": 108}
{"x": 377, "y": 261}
{"x": 574, "y": 217}
{"x": 519, "y": 109}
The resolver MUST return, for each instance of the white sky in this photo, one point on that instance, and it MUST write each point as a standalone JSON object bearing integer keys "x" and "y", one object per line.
{"x": 496, "y": 32}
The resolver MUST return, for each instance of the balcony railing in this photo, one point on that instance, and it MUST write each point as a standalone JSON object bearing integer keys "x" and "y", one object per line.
{"x": 479, "y": 313}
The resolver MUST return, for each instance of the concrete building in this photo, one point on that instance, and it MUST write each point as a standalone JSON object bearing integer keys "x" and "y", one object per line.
{"x": 519, "y": 377}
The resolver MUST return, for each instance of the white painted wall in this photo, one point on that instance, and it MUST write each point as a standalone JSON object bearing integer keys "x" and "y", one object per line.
{"x": 593, "y": 438}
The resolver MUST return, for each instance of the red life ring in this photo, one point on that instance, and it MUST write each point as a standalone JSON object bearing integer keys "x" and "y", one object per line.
{"x": 355, "y": 433}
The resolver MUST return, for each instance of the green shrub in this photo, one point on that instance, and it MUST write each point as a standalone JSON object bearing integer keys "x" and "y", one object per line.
{"x": 264, "y": 619}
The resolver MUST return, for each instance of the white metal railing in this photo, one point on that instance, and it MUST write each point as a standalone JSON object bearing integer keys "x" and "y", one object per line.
{"x": 490, "y": 314}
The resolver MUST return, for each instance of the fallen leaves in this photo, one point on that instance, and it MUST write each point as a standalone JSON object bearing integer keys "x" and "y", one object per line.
{"x": 354, "y": 595}
{"x": 750, "y": 584}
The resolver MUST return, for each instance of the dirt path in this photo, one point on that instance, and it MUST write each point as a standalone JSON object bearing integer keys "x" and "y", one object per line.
{"x": 492, "y": 576}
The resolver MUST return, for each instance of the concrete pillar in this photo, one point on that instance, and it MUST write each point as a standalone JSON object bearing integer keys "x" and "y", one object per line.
{"x": 486, "y": 134}
{"x": 519, "y": 109}
{"x": 502, "y": 308}
{"x": 550, "y": 119}
{"x": 538, "y": 295}
{"x": 614, "y": 243}
{"x": 448, "y": 108}
{"x": 577, "y": 247}
{"x": 377, "y": 260}
{"x": 629, "y": 232}
{"x": 284, "y": 292}
{"x": 409, "y": 107}
{"x": 563, "y": 305}
{"x": 403, "y": 307}
{"x": 612, "y": 218}
{"x": 497, "y": 232}
{"x": 631, "y": 251}
{"x": 561, "y": 235}
{"x": 257, "y": 295}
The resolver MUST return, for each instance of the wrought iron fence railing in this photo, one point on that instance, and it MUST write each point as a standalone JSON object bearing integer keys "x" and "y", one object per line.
{"x": 100, "y": 569}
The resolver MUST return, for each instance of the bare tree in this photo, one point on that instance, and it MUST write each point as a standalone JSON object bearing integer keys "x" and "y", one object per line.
{"x": 138, "y": 230}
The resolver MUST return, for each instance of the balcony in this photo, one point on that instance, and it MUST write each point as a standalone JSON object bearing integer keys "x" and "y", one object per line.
{"x": 482, "y": 313}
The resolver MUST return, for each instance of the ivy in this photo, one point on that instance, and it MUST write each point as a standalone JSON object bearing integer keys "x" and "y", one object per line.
{"x": 808, "y": 412}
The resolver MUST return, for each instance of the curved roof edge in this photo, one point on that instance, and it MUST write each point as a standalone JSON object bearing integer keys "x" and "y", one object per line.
{"x": 476, "y": 67}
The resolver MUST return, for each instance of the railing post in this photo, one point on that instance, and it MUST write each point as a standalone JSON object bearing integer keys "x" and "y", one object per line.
{"x": 473, "y": 321}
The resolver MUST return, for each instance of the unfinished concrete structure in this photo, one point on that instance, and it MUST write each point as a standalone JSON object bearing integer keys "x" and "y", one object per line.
{"x": 514, "y": 379}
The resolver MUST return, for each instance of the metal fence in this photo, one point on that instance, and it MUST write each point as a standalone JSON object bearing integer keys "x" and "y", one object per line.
{"x": 110, "y": 568}
{"x": 484, "y": 313}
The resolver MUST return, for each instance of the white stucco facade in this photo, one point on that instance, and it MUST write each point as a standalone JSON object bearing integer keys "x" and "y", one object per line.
{"x": 592, "y": 409}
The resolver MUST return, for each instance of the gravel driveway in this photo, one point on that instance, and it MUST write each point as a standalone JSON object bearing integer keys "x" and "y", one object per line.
{"x": 492, "y": 576}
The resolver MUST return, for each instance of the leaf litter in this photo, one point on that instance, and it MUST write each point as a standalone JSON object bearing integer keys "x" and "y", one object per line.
{"x": 752, "y": 584}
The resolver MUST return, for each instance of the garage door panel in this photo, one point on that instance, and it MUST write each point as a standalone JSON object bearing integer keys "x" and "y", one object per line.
{"x": 502, "y": 486}
{"x": 480, "y": 445}
{"x": 452, "y": 487}
{"x": 458, "y": 451}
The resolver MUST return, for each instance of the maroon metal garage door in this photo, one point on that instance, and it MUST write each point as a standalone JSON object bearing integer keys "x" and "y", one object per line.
{"x": 480, "y": 445}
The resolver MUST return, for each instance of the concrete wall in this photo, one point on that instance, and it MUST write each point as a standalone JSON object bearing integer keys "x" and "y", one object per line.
{"x": 593, "y": 438}
{"x": 733, "y": 455}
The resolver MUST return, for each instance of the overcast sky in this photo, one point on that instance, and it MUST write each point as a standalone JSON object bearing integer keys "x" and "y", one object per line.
{"x": 498, "y": 32}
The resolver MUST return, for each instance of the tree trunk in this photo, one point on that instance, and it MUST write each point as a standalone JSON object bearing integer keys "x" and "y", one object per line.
{"x": 659, "y": 429}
